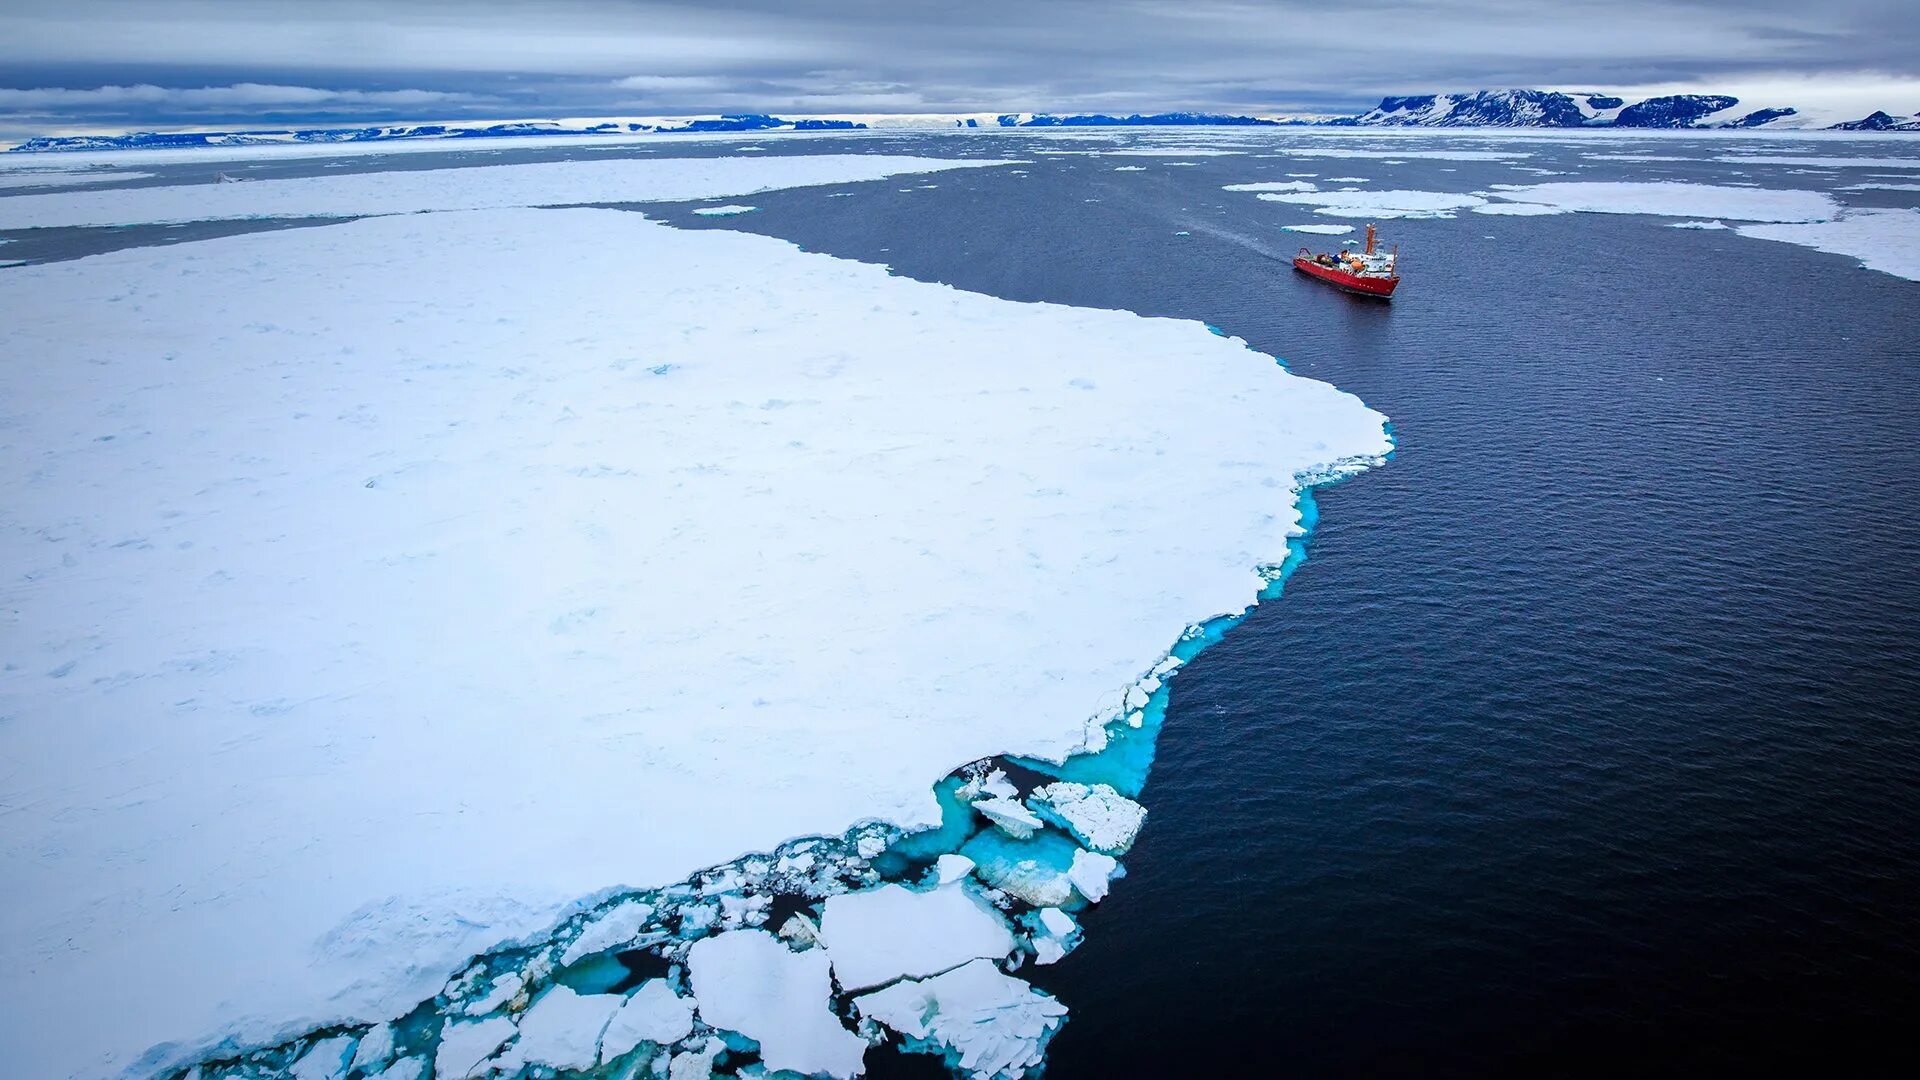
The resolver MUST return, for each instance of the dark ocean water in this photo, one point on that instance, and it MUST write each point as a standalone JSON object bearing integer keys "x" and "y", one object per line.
{"x": 1588, "y": 738}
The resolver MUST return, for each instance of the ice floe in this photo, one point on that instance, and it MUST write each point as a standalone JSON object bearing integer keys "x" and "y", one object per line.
{"x": 1676, "y": 200}
{"x": 337, "y": 571}
{"x": 1320, "y": 230}
{"x": 1097, "y": 816}
{"x": 747, "y": 981}
{"x": 652, "y": 1014}
{"x": 1881, "y": 187}
{"x": 1391, "y": 155}
{"x": 878, "y": 935}
{"x": 1699, "y": 225}
{"x": 1130, "y": 168}
{"x": 725, "y": 211}
{"x": 1883, "y": 240}
{"x": 985, "y": 1023}
{"x": 1825, "y": 162}
{"x": 1380, "y": 204}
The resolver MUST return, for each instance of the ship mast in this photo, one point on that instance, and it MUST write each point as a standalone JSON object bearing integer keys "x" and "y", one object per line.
{"x": 1369, "y": 239}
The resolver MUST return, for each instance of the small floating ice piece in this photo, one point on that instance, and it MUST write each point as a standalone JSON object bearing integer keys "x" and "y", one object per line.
{"x": 950, "y": 868}
{"x": 878, "y": 935}
{"x": 465, "y": 1044}
{"x": 412, "y": 1068}
{"x": 1012, "y": 816}
{"x": 1130, "y": 168}
{"x": 746, "y": 981}
{"x": 562, "y": 1030}
{"x": 654, "y": 1013}
{"x": 376, "y": 1046}
{"x": 1697, "y": 225}
{"x": 725, "y": 211}
{"x": 327, "y": 1059}
{"x": 988, "y": 1024}
{"x": 1320, "y": 230}
{"x": 1091, "y": 873}
{"x": 1054, "y": 934}
{"x": 1097, "y": 815}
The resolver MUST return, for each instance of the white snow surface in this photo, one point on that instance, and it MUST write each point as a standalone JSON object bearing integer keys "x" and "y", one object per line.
{"x": 15, "y": 178}
{"x": 653, "y": 1013}
{"x": 877, "y": 935}
{"x": 1097, "y": 815}
{"x": 747, "y": 981}
{"x": 1883, "y": 240}
{"x": 994, "y": 1023}
{"x": 1808, "y": 161}
{"x": 480, "y": 187}
{"x": 1380, "y": 204}
{"x": 562, "y": 1030}
{"x": 1677, "y": 200}
{"x": 380, "y": 592}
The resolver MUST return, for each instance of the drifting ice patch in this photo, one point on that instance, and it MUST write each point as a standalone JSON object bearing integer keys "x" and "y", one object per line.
{"x": 16, "y": 178}
{"x": 1320, "y": 230}
{"x": 1380, "y": 204}
{"x": 1272, "y": 185}
{"x": 724, "y": 211}
{"x": 1883, "y": 240}
{"x": 1675, "y": 199}
{"x": 1697, "y": 225}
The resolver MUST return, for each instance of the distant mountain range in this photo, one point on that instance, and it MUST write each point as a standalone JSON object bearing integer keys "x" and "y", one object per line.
{"x": 1481, "y": 109}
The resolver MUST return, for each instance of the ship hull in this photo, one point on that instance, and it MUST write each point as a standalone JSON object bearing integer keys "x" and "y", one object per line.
{"x": 1381, "y": 287}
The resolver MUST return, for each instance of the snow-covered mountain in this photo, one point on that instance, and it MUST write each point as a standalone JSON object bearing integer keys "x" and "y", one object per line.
{"x": 1557, "y": 108}
{"x": 1483, "y": 108}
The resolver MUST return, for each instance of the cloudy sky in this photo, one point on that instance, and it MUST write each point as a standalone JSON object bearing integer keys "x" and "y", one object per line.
{"x": 89, "y": 65}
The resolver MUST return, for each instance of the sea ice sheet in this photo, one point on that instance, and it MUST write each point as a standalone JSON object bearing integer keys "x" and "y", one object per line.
{"x": 364, "y": 619}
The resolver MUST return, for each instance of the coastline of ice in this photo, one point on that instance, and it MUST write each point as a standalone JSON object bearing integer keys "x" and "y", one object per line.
{"x": 478, "y": 187}
{"x": 420, "y": 468}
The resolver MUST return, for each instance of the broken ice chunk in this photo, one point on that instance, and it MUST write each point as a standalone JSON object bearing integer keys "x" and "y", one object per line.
{"x": 879, "y": 935}
{"x": 376, "y": 1046}
{"x": 562, "y": 1030}
{"x": 412, "y": 1068}
{"x": 615, "y": 926}
{"x": 1136, "y": 698}
{"x": 1015, "y": 818}
{"x": 653, "y": 1014}
{"x": 799, "y": 931}
{"x": 505, "y": 989}
{"x": 327, "y": 1059}
{"x": 950, "y": 868}
{"x": 1164, "y": 667}
{"x": 1034, "y": 869}
{"x": 465, "y": 1045}
{"x": 985, "y": 1023}
{"x": 1100, "y": 817}
{"x": 1054, "y": 934}
{"x": 1090, "y": 874}
{"x": 746, "y": 981}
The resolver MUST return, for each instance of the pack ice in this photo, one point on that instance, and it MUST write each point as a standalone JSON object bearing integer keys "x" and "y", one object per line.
{"x": 487, "y": 642}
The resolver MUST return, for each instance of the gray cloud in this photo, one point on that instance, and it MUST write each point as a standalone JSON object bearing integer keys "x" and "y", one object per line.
{"x": 100, "y": 62}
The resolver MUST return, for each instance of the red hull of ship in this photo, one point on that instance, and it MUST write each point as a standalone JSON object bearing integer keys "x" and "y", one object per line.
{"x": 1365, "y": 286}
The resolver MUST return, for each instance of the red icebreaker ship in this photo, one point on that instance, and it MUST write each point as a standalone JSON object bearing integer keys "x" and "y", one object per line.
{"x": 1368, "y": 272}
